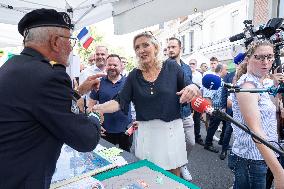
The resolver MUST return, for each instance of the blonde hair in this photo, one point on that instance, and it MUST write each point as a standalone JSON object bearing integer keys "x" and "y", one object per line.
{"x": 157, "y": 62}
{"x": 242, "y": 69}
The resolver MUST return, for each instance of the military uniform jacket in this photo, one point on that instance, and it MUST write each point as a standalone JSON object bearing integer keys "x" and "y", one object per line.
{"x": 36, "y": 119}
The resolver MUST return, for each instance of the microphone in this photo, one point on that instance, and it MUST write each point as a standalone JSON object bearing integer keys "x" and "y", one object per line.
{"x": 237, "y": 37}
{"x": 201, "y": 105}
{"x": 239, "y": 58}
{"x": 214, "y": 82}
{"x": 270, "y": 90}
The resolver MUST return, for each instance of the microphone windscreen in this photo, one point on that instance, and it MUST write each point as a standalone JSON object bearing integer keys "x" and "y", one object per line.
{"x": 239, "y": 58}
{"x": 211, "y": 81}
{"x": 199, "y": 104}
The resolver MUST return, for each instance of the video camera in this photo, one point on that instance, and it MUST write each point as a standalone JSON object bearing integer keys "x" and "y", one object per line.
{"x": 273, "y": 31}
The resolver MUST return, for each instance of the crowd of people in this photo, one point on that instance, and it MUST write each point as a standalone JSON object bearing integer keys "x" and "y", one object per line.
{"x": 45, "y": 110}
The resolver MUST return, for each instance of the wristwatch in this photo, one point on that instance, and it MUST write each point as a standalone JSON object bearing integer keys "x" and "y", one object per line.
{"x": 76, "y": 94}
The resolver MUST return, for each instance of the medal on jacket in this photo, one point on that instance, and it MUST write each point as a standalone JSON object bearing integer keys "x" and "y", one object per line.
{"x": 74, "y": 107}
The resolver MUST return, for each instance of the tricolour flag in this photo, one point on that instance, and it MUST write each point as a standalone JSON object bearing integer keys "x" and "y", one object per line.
{"x": 85, "y": 38}
{"x": 1, "y": 53}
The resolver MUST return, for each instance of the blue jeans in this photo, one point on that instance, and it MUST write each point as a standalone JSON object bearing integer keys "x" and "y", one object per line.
{"x": 249, "y": 174}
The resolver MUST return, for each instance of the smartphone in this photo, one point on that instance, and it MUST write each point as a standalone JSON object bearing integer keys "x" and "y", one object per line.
{"x": 130, "y": 130}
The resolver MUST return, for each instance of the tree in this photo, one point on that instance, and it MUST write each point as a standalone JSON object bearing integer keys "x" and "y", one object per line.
{"x": 131, "y": 64}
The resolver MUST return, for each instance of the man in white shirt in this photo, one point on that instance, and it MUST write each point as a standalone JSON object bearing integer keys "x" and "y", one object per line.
{"x": 196, "y": 75}
{"x": 197, "y": 79}
{"x": 124, "y": 62}
{"x": 99, "y": 66}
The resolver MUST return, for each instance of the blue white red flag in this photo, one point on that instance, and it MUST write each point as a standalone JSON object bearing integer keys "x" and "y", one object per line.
{"x": 85, "y": 38}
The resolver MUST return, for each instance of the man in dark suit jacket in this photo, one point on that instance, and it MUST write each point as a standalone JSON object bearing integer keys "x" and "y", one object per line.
{"x": 227, "y": 128}
{"x": 36, "y": 102}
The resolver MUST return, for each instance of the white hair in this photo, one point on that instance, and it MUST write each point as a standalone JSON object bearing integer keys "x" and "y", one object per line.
{"x": 41, "y": 34}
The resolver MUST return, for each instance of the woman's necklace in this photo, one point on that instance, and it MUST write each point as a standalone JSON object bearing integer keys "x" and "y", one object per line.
{"x": 151, "y": 79}
{"x": 152, "y": 88}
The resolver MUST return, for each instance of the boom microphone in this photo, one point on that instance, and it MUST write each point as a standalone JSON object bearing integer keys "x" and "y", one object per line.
{"x": 201, "y": 105}
{"x": 270, "y": 90}
{"x": 214, "y": 82}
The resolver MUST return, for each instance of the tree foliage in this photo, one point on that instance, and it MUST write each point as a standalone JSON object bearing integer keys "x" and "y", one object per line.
{"x": 84, "y": 54}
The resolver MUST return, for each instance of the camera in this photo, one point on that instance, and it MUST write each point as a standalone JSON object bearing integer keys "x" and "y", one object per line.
{"x": 273, "y": 30}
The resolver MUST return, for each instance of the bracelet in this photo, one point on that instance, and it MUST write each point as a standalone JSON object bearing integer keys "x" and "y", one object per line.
{"x": 96, "y": 115}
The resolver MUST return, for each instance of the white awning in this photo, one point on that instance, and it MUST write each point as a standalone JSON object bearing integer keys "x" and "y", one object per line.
{"x": 131, "y": 15}
{"x": 82, "y": 12}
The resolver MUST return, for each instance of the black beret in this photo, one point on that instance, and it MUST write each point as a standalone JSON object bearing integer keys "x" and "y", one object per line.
{"x": 44, "y": 17}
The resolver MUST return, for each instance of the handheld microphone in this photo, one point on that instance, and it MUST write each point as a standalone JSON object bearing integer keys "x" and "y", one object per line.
{"x": 201, "y": 105}
{"x": 239, "y": 58}
{"x": 214, "y": 82}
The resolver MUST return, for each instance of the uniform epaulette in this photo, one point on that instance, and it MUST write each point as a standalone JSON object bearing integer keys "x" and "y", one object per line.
{"x": 55, "y": 64}
{"x": 52, "y": 63}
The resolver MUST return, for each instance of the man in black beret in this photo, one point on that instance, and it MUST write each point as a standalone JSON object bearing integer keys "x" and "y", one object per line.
{"x": 36, "y": 102}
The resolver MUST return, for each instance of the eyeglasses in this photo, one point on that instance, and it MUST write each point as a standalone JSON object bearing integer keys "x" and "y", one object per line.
{"x": 191, "y": 63}
{"x": 72, "y": 40}
{"x": 270, "y": 57}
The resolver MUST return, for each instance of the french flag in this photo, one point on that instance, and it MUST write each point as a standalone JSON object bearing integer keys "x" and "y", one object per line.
{"x": 85, "y": 38}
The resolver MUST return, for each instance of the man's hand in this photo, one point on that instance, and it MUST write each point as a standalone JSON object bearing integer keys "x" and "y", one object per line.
{"x": 188, "y": 93}
{"x": 92, "y": 82}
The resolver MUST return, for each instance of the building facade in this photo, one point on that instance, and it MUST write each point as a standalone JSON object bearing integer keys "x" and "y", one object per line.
{"x": 207, "y": 34}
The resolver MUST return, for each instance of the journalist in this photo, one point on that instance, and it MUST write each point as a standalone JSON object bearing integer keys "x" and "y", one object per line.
{"x": 249, "y": 158}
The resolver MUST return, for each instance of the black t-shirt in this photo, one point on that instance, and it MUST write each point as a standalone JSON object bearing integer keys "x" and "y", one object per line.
{"x": 154, "y": 100}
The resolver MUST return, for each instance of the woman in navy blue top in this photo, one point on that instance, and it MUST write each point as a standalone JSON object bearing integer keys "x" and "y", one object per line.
{"x": 157, "y": 90}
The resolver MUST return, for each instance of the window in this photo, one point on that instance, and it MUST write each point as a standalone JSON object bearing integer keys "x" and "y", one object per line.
{"x": 190, "y": 41}
{"x": 236, "y": 25}
{"x": 183, "y": 43}
{"x": 212, "y": 31}
{"x": 280, "y": 11}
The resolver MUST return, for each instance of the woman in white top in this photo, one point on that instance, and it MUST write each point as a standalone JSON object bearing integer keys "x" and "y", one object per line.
{"x": 249, "y": 158}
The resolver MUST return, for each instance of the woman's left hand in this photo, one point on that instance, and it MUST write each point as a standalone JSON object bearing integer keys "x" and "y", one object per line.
{"x": 188, "y": 93}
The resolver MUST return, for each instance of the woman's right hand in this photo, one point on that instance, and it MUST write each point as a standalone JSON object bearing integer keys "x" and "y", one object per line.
{"x": 135, "y": 125}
